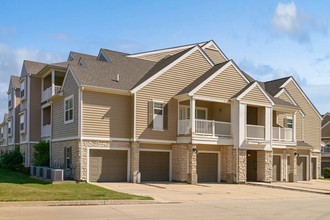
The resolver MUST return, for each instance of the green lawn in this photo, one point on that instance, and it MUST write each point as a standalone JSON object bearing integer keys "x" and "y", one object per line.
{"x": 15, "y": 186}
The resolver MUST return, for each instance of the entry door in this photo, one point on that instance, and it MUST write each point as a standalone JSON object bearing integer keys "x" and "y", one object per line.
{"x": 252, "y": 165}
{"x": 314, "y": 168}
{"x": 276, "y": 168}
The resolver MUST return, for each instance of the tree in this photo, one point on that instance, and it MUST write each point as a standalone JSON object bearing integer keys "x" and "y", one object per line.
{"x": 41, "y": 153}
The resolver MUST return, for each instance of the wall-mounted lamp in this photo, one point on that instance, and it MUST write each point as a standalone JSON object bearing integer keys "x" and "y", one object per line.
{"x": 194, "y": 149}
{"x": 296, "y": 153}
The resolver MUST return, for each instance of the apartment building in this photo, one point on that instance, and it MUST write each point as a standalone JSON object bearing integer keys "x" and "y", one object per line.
{"x": 325, "y": 138}
{"x": 185, "y": 114}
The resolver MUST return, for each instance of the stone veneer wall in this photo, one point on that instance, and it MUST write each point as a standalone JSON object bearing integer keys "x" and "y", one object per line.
{"x": 264, "y": 166}
{"x": 57, "y": 156}
{"x": 179, "y": 162}
{"x": 90, "y": 144}
{"x": 23, "y": 148}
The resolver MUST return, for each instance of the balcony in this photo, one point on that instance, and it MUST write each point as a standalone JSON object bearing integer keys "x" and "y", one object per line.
{"x": 255, "y": 132}
{"x": 206, "y": 128}
{"x": 48, "y": 93}
{"x": 282, "y": 134}
{"x": 325, "y": 151}
{"x": 45, "y": 130}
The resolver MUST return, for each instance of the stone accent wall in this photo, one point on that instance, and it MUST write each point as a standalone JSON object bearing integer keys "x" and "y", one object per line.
{"x": 23, "y": 148}
{"x": 57, "y": 156}
{"x": 90, "y": 144}
{"x": 293, "y": 166}
{"x": 242, "y": 165}
{"x": 318, "y": 155}
{"x": 135, "y": 159}
{"x": 264, "y": 166}
{"x": 192, "y": 165}
{"x": 179, "y": 162}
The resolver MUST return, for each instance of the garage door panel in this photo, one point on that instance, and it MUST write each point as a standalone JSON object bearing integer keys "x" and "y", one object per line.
{"x": 108, "y": 165}
{"x": 207, "y": 167}
{"x": 154, "y": 166}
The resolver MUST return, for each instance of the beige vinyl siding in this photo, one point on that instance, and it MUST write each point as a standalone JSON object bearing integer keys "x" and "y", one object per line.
{"x": 160, "y": 55}
{"x": 286, "y": 98}
{"x": 106, "y": 115}
{"x": 164, "y": 88}
{"x": 221, "y": 112}
{"x": 35, "y": 109}
{"x": 255, "y": 95}
{"x": 326, "y": 131}
{"x": 215, "y": 56}
{"x": 312, "y": 123}
{"x": 225, "y": 85}
{"x": 299, "y": 128}
{"x": 61, "y": 130}
{"x": 23, "y": 103}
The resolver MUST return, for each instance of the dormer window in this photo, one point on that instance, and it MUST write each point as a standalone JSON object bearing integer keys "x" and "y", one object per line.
{"x": 22, "y": 87}
{"x": 10, "y": 100}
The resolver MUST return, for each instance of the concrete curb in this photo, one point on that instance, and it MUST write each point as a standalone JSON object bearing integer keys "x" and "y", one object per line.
{"x": 79, "y": 203}
{"x": 289, "y": 188}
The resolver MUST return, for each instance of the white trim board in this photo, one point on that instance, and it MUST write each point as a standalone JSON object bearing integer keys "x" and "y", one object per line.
{"x": 175, "y": 62}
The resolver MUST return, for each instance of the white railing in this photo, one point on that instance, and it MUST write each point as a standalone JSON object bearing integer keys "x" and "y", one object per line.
{"x": 282, "y": 134}
{"x": 325, "y": 149}
{"x": 45, "y": 130}
{"x": 47, "y": 93}
{"x": 184, "y": 126}
{"x": 205, "y": 127}
{"x": 255, "y": 132}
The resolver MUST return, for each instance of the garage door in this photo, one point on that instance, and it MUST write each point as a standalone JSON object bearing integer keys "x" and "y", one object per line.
{"x": 301, "y": 168}
{"x": 154, "y": 166}
{"x": 207, "y": 167}
{"x": 276, "y": 168}
{"x": 108, "y": 166}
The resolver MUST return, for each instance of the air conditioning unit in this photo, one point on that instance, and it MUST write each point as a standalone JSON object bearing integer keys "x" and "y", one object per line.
{"x": 37, "y": 171}
{"x": 32, "y": 171}
{"x": 41, "y": 172}
{"x": 57, "y": 175}
{"x": 45, "y": 172}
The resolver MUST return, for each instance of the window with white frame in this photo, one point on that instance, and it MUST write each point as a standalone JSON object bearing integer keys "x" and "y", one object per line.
{"x": 68, "y": 109}
{"x": 9, "y": 100}
{"x": 9, "y": 128}
{"x": 289, "y": 122}
{"x": 200, "y": 113}
{"x": 22, "y": 87}
{"x": 22, "y": 123}
{"x": 1, "y": 133}
{"x": 158, "y": 115}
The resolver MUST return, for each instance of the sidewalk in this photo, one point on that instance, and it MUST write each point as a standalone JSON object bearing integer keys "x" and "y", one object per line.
{"x": 313, "y": 186}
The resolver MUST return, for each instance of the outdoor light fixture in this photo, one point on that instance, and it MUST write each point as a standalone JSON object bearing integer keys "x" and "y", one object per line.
{"x": 296, "y": 153}
{"x": 194, "y": 149}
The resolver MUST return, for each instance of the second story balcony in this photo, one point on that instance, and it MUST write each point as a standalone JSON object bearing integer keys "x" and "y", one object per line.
{"x": 205, "y": 128}
{"x": 51, "y": 85}
{"x": 325, "y": 151}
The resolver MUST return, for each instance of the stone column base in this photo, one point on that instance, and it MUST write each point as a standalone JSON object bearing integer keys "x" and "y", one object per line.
{"x": 292, "y": 178}
{"x": 192, "y": 178}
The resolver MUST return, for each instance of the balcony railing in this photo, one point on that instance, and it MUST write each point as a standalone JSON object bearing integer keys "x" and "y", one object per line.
{"x": 47, "y": 93}
{"x": 325, "y": 149}
{"x": 206, "y": 127}
{"x": 282, "y": 134}
{"x": 45, "y": 130}
{"x": 255, "y": 132}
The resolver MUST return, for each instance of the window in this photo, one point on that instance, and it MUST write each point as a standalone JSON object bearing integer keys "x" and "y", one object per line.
{"x": 23, "y": 90}
{"x": 68, "y": 109}
{"x": 22, "y": 123}
{"x": 157, "y": 116}
{"x": 68, "y": 158}
{"x": 23, "y": 157}
{"x": 9, "y": 128}
{"x": 1, "y": 133}
{"x": 9, "y": 101}
{"x": 200, "y": 113}
{"x": 289, "y": 122}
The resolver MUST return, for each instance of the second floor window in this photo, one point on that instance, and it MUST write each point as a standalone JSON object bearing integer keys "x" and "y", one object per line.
{"x": 289, "y": 122}
{"x": 157, "y": 116}
{"x": 22, "y": 89}
{"x": 9, "y": 128}
{"x": 22, "y": 122}
{"x": 1, "y": 132}
{"x": 9, "y": 101}
{"x": 68, "y": 109}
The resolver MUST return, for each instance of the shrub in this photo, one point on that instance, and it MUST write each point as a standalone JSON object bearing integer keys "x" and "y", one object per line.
{"x": 326, "y": 172}
{"x": 41, "y": 153}
{"x": 11, "y": 160}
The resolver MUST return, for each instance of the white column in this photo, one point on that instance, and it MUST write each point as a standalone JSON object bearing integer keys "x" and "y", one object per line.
{"x": 178, "y": 128}
{"x": 53, "y": 82}
{"x": 238, "y": 122}
{"x": 192, "y": 114}
{"x": 294, "y": 127}
{"x": 268, "y": 125}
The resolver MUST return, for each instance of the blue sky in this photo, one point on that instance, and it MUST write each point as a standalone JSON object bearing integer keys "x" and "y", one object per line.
{"x": 267, "y": 39}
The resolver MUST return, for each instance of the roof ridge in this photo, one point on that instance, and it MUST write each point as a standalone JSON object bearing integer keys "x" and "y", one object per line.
{"x": 274, "y": 80}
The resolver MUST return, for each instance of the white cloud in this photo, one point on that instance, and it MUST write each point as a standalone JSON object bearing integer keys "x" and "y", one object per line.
{"x": 11, "y": 60}
{"x": 288, "y": 20}
{"x": 62, "y": 37}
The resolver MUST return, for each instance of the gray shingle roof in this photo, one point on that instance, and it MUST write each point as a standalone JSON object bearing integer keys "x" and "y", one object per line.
{"x": 33, "y": 67}
{"x": 273, "y": 86}
{"x": 104, "y": 74}
{"x": 15, "y": 81}
{"x": 77, "y": 56}
{"x": 202, "y": 78}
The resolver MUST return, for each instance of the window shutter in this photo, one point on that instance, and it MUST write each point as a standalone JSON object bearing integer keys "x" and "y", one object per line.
{"x": 150, "y": 114}
{"x": 165, "y": 118}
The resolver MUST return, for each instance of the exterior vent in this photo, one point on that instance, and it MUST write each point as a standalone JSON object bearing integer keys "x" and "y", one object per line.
{"x": 117, "y": 78}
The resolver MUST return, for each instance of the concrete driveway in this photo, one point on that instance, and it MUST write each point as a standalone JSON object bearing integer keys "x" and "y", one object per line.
{"x": 181, "y": 192}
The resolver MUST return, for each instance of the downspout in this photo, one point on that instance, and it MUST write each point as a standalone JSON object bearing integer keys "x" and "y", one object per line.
{"x": 237, "y": 170}
{"x": 80, "y": 119}
{"x": 134, "y": 117}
